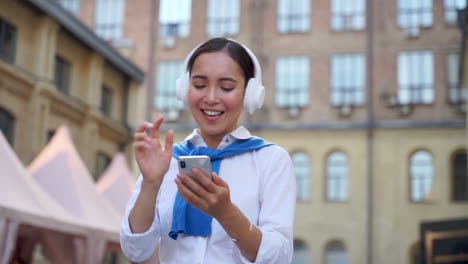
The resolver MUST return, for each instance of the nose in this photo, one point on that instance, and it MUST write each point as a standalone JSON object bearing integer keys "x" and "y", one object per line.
{"x": 211, "y": 96}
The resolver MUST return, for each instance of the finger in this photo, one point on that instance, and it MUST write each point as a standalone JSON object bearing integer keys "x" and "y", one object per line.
{"x": 141, "y": 136}
{"x": 218, "y": 181}
{"x": 156, "y": 126}
{"x": 188, "y": 195}
{"x": 204, "y": 180}
{"x": 140, "y": 145}
{"x": 196, "y": 188}
{"x": 169, "y": 141}
{"x": 144, "y": 126}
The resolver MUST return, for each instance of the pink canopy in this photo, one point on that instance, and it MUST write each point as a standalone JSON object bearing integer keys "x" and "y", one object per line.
{"x": 22, "y": 201}
{"x": 60, "y": 171}
{"x": 116, "y": 183}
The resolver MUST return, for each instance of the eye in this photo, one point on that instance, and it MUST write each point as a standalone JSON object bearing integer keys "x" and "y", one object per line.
{"x": 198, "y": 86}
{"x": 226, "y": 89}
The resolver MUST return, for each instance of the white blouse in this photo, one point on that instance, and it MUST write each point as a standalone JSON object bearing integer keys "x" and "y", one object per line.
{"x": 262, "y": 185}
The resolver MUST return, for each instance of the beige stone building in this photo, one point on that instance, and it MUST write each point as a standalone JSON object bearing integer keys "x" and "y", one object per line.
{"x": 364, "y": 94}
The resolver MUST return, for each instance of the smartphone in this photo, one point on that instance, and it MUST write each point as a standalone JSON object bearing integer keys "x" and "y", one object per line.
{"x": 202, "y": 162}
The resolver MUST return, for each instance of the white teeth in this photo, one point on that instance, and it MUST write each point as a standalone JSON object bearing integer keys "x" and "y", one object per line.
{"x": 211, "y": 113}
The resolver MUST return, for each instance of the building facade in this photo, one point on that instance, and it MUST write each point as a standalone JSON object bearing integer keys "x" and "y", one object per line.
{"x": 364, "y": 94}
{"x": 54, "y": 71}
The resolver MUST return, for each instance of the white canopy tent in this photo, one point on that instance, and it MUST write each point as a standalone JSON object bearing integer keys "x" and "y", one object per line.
{"x": 60, "y": 171}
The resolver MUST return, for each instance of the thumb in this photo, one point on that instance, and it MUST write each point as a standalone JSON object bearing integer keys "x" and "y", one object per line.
{"x": 218, "y": 181}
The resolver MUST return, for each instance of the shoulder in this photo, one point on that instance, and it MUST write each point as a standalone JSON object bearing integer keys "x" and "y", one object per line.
{"x": 273, "y": 153}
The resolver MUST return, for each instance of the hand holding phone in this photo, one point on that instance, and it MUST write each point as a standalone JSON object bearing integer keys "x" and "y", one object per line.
{"x": 202, "y": 162}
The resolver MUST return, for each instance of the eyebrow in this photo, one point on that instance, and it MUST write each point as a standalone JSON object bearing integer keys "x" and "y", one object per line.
{"x": 220, "y": 79}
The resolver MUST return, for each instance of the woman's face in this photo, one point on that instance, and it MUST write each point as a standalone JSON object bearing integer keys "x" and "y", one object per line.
{"x": 216, "y": 94}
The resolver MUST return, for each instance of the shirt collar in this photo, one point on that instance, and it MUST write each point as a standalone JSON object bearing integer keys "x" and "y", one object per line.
{"x": 239, "y": 133}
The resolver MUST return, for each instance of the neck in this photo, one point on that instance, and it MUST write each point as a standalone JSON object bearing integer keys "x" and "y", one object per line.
{"x": 212, "y": 141}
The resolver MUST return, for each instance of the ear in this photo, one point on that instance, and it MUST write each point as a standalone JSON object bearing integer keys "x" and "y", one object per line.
{"x": 254, "y": 95}
{"x": 182, "y": 86}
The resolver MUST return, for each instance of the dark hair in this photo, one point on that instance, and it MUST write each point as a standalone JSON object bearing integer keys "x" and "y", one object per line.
{"x": 232, "y": 48}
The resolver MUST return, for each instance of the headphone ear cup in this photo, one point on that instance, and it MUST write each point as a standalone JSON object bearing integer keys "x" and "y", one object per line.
{"x": 254, "y": 96}
{"x": 182, "y": 85}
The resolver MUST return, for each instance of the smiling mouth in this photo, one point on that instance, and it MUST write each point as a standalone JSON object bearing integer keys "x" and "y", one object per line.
{"x": 212, "y": 113}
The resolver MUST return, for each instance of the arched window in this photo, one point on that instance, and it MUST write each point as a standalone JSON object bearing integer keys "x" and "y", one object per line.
{"x": 459, "y": 177}
{"x": 7, "y": 125}
{"x": 335, "y": 253}
{"x": 301, "y": 170}
{"x": 337, "y": 177}
{"x": 421, "y": 172}
{"x": 301, "y": 253}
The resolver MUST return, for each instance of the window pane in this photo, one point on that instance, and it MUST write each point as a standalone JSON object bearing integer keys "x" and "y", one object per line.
{"x": 415, "y": 77}
{"x": 7, "y": 125}
{"x": 421, "y": 176}
{"x": 301, "y": 253}
{"x": 460, "y": 177}
{"x": 167, "y": 74}
{"x": 456, "y": 93}
{"x": 292, "y": 81}
{"x": 102, "y": 162}
{"x": 451, "y": 7}
{"x": 174, "y": 18}
{"x": 108, "y": 19}
{"x": 337, "y": 177}
{"x": 293, "y": 15}
{"x": 223, "y": 17}
{"x": 71, "y": 6}
{"x": 7, "y": 41}
{"x": 348, "y": 15}
{"x": 62, "y": 74}
{"x": 414, "y": 13}
{"x": 106, "y": 101}
{"x": 336, "y": 254}
{"x": 302, "y": 171}
{"x": 348, "y": 79}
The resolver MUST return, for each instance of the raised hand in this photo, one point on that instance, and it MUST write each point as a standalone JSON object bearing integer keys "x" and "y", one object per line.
{"x": 153, "y": 160}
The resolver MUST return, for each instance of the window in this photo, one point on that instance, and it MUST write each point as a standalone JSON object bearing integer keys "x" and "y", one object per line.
{"x": 414, "y": 13}
{"x": 335, "y": 253}
{"x": 167, "y": 74}
{"x": 301, "y": 253}
{"x": 62, "y": 74}
{"x": 102, "y": 161}
{"x": 421, "y": 176}
{"x": 348, "y": 79}
{"x": 415, "y": 77}
{"x": 7, "y": 125}
{"x": 223, "y": 17}
{"x": 337, "y": 177}
{"x": 292, "y": 81}
{"x": 108, "y": 19}
{"x": 71, "y": 6}
{"x": 348, "y": 15}
{"x": 460, "y": 177}
{"x": 106, "y": 100}
{"x": 456, "y": 93}
{"x": 50, "y": 134}
{"x": 451, "y": 7}
{"x": 174, "y": 18}
{"x": 7, "y": 41}
{"x": 301, "y": 170}
{"x": 293, "y": 16}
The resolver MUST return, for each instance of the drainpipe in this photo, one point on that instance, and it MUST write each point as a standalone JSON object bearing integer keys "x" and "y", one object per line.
{"x": 370, "y": 128}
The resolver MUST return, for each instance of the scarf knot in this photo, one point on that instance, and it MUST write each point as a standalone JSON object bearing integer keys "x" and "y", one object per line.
{"x": 187, "y": 219}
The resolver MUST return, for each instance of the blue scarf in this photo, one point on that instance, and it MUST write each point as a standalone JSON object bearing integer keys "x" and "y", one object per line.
{"x": 187, "y": 219}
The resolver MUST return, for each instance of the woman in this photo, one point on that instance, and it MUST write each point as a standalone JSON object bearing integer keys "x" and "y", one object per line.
{"x": 244, "y": 214}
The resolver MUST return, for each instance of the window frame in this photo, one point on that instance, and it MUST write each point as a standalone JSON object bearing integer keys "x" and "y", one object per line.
{"x": 430, "y": 191}
{"x": 72, "y": 6}
{"x": 455, "y": 92}
{"x": 297, "y": 96}
{"x": 167, "y": 96}
{"x": 107, "y": 161}
{"x": 10, "y": 123}
{"x": 419, "y": 11}
{"x": 419, "y": 92}
{"x": 450, "y": 9}
{"x": 347, "y": 17}
{"x": 221, "y": 23}
{"x": 293, "y": 21}
{"x": 174, "y": 27}
{"x": 348, "y": 91}
{"x": 453, "y": 176}
{"x": 109, "y": 19}
{"x": 304, "y": 179}
{"x": 106, "y": 100}
{"x": 343, "y": 182}
{"x": 9, "y": 53}
{"x": 62, "y": 74}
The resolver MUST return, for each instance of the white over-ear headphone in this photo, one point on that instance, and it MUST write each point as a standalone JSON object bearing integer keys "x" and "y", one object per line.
{"x": 254, "y": 91}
